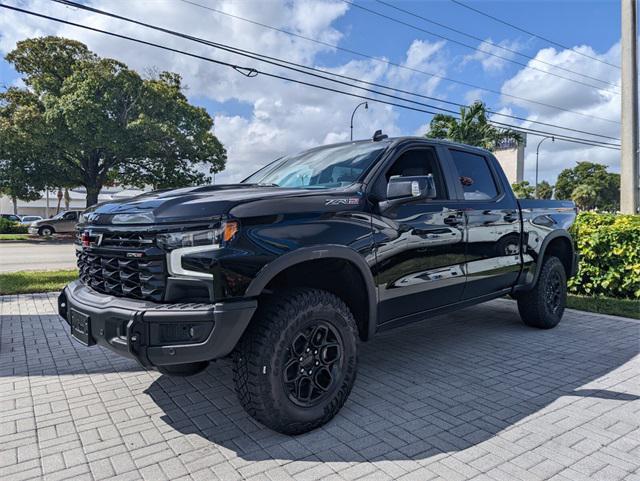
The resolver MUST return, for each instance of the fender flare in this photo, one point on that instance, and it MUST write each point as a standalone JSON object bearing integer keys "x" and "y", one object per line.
{"x": 556, "y": 234}
{"x": 330, "y": 251}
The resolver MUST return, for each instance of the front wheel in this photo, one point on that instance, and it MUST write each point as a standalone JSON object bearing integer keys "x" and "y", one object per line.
{"x": 296, "y": 364}
{"x": 543, "y": 306}
{"x": 46, "y": 231}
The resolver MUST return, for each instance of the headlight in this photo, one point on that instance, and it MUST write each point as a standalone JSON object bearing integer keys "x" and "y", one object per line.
{"x": 137, "y": 218}
{"x": 176, "y": 240}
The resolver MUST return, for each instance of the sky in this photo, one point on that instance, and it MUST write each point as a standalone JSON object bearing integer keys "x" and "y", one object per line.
{"x": 259, "y": 119}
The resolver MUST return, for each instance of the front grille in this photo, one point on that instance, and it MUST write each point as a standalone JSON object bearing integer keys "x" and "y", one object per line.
{"x": 116, "y": 274}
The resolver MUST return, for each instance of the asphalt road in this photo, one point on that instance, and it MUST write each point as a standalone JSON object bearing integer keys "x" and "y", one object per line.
{"x": 29, "y": 256}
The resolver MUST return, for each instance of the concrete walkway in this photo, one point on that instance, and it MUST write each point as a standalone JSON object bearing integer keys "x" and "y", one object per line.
{"x": 471, "y": 395}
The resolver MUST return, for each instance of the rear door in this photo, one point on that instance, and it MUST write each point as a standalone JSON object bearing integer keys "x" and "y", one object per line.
{"x": 419, "y": 245}
{"x": 492, "y": 257}
{"x": 68, "y": 222}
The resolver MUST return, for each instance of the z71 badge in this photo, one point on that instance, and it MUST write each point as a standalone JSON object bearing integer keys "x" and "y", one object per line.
{"x": 347, "y": 201}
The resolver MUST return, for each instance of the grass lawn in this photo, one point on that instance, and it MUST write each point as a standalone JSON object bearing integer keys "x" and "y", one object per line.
{"x": 14, "y": 237}
{"x": 606, "y": 305}
{"x": 38, "y": 281}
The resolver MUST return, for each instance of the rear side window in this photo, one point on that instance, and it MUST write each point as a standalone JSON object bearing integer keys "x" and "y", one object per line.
{"x": 475, "y": 175}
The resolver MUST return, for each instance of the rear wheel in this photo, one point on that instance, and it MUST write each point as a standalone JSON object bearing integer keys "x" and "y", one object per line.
{"x": 543, "y": 306}
{"x": 296, "y": 364}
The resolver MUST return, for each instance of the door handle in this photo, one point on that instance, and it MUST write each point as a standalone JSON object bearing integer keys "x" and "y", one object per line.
{"x": 511, "y": 217}
{"x": 453, "y": 220}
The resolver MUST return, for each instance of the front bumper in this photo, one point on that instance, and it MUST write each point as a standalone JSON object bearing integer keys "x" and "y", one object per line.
{"x": 137, "y": 329}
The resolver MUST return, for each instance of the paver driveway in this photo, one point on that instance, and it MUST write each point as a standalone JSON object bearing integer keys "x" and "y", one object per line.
{"x": 475, "y": 394}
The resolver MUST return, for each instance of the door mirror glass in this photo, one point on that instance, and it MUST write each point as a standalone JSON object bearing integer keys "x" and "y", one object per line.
{"x": 411, "y": 187}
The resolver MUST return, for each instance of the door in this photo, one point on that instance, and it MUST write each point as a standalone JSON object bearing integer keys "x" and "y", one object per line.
{"x": 67, "y": 223}
{"x": 493, "y": 225}
{"x": 418, "y": 245}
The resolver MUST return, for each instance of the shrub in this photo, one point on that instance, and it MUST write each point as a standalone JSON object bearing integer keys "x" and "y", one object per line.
{"x": 609, "y": 247}
{"x": 8, "y": 227}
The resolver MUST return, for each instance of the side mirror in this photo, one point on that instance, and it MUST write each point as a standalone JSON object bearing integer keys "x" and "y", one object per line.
{"x": 407, "y": 189}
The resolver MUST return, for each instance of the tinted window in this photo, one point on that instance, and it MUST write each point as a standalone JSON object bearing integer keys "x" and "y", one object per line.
{"x": 475, "y": 175}
{"x": 419, "y": 162}
{"x": 70, "y": 216}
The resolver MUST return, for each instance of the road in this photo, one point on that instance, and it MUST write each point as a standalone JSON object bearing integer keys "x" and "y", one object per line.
{"x": 31, "y": 256}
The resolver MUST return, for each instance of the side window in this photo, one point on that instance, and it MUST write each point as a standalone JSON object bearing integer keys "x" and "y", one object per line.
{"x": 419, "y": 162}
{"x": 475, "y": 175}
{"x": 70, "y": 216}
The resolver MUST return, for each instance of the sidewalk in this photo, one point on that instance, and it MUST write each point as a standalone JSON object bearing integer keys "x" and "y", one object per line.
{"x": 470, "y": 395}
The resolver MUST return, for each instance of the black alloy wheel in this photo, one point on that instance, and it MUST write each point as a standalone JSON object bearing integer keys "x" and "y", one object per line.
{"x": 313, "y": 366}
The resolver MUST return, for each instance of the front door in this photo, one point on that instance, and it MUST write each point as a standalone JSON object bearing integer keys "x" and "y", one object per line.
{"x": 419, "y": 245}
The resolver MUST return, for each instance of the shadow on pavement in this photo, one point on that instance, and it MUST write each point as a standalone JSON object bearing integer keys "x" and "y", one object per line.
{"x": 439, "y": 386}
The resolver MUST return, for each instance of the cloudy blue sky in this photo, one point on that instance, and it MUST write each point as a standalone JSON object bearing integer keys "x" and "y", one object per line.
{"x": 260, "y": 118}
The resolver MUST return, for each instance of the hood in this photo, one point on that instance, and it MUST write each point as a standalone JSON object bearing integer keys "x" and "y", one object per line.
{"x": 191, "y": 204}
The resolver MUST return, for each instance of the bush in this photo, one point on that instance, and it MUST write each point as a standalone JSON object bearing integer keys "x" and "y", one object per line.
{"x": 609, "y": 247}
{"x": 8, "y": 227}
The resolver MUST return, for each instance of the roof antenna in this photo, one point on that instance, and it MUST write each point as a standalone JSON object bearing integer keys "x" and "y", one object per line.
{"x": 378, "y": 136}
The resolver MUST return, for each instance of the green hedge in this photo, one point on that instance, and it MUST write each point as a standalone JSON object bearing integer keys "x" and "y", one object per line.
{"x": 8, "y": 227}
{"x": 609, "y": 247}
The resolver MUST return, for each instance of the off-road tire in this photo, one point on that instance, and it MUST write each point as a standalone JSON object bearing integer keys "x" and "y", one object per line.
{"x": 46, "y": 228}
{"x": 183, "y": 370}
{"x": 535, "y": 306}
{"x": 260, "y": 357}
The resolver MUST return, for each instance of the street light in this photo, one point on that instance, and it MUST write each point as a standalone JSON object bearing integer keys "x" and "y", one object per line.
{"x": 537, "y": 154}
{"x": 366, "y": 106}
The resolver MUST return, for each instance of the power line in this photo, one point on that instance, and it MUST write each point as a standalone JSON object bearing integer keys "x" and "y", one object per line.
{"x": 404, "y": 67}
{"x": 528, "y": 32}
{"x": 252, "y": 72}
{"x": 415, "y": 27}
{"x": 297, "y": 68}
{"x": 495, "y": 45}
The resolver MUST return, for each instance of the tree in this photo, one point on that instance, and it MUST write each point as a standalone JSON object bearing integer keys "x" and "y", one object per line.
{"x": 523, "y": 190}
{"x": 605, "y": 185}
{"x": 545, "y": 190}
{"x": 21, "y": 174}
{"x": 584, "y": 197}
{"x": 105, "y": 123}
{"x": 473, "y": 128}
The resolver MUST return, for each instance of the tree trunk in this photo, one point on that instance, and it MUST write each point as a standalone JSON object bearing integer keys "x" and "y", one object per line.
{"x": 92, "y": 194}
{"x": 67, "y": 199}
{"x": 59, "y": 200}
{"x": 14, "y": 199}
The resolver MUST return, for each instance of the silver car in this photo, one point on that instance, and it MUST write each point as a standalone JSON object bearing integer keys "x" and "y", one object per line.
{"x": 63, "y": 223}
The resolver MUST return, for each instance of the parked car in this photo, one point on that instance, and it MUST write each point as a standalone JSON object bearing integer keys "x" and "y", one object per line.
{"x": 29, "y": 219}
{"x": 289, "y": 270}
{"x": 11, "y": 217}
{"x": 64, "y": 222}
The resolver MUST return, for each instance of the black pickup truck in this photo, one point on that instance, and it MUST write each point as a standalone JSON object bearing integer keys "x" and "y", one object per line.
{"x": 289, "y": 270}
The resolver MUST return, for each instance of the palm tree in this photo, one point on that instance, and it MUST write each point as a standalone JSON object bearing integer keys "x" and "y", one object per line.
{"x": 472, "y": 128}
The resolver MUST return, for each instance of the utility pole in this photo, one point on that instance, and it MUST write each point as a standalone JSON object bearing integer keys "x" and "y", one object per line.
{"x": 366, "y": 106}
{"x": 629, "y": 154}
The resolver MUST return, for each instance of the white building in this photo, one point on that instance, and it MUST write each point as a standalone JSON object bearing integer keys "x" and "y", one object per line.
{"x": 510, "y": 155}
{"x": 47, "y": 205}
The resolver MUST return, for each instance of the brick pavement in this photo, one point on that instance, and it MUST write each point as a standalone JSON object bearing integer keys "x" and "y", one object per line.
{"x": 470, "y": 395}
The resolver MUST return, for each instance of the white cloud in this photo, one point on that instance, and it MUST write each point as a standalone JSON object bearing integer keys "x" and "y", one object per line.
{"x": 493, "y": 56}
{"x": 601, "y": 103}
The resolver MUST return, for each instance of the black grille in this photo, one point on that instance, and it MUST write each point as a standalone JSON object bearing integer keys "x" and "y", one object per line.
{"x": 116, "y": 274}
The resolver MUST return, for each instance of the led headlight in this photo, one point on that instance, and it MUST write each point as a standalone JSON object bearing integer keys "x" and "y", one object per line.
{"x": 209, "y": 237}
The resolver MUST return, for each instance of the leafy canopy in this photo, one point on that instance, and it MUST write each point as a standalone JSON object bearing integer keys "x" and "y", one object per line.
{"x": 601, "y": 188}
{"x": 102, "y": 122}
{"x": 472, "y": 128}
{"x": 523, "y": 190}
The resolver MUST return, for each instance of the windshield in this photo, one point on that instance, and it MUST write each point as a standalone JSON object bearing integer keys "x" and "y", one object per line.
{"x": 326, "y": 167}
